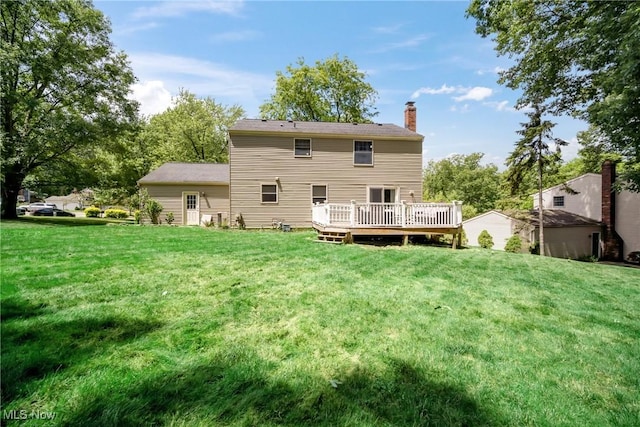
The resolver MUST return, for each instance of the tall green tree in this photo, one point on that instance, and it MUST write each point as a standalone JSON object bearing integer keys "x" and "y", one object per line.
{"x": 462, "y": 177}
{"x": 532, "y": 152}
{"x": 192, "y": 130}
{"x": 579, "y": 57}
{"x": 63, "y": 86}
{"x": 334, "y": 90}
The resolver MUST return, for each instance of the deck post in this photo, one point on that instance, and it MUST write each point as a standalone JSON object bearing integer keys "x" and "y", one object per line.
{"x": 352, "y": 214}
{"x": 458, "y": 212}
{"x": 403, "y": 214}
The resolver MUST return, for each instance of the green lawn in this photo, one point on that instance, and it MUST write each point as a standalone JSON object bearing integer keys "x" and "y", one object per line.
{"x": 130, "y": 325}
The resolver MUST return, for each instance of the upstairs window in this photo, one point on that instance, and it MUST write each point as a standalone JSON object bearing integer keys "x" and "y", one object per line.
{"x": 269, "y": 193}
{"x": 302, "y": 147}
{"x": 558, "y": 201}
{"x": 363, "y": 153}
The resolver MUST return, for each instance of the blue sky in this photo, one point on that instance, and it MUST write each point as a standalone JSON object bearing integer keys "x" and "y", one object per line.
{"x": 422, "y": 51}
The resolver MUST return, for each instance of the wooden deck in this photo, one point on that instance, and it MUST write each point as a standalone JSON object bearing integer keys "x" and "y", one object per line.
{"x": 388, "y": 219}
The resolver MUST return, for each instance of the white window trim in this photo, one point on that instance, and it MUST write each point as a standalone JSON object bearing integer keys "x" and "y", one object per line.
{"x": 384, "y": 187}
{"x": 277, "y": 193}
{"x": 559, "y": 198}
{"x": 326, "y": 186}
{"x": 304, "y": 156}
{"x": 354, "y": 152}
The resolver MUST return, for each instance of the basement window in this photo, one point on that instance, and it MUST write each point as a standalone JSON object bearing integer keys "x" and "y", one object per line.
{"x": 558, "y": 201}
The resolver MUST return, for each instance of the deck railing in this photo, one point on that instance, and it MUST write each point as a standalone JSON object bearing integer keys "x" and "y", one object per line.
{"x": 398, "y": 215}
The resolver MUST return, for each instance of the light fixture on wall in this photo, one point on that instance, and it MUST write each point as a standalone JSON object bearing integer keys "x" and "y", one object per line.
{"x": 202, "y": 194}
{"x": 277, "y": 178}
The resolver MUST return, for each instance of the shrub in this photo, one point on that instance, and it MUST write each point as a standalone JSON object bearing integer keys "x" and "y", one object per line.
{"x": 152, "y": 209}
{"x": 514, "y": 244}
{"x": 170, "y": 218}
{"x": 137, "y": 216}
{"x": 92, "y": 212}
{"x": 485, "y": 240}
{"x": 534, "y": 249}
{"x": 116, "y": 213}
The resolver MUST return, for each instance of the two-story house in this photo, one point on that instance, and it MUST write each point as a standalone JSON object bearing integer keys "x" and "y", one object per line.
{"x": 583, "y": 217}
{"x": 593, "y": 196}
{"x": 354, "y": 176}
{"x": 279, "y": 169}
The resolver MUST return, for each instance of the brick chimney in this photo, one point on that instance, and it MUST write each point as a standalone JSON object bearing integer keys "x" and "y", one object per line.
{"x": 410, "y": 116}
{"x": 611, "y": 241}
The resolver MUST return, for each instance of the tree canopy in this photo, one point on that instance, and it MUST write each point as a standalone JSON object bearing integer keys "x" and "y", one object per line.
{"x": 333, "y": 90}
{"x": 63, "y": 86}
{"x": 192, "y": 130}
{"x": 576, "y": 57}
{"x": 462, "y": 177}
{"x": 533, "y": 153}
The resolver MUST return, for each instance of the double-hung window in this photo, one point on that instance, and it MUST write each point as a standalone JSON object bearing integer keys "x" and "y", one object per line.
{"x": 269, "y": 193}
{"x": 302, "y": 147}
{"x": 318, "y": 194}
{"x": 363, "y": 153}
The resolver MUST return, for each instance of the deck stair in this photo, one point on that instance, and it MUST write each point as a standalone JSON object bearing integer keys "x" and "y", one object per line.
{"x": 338, "y": 237}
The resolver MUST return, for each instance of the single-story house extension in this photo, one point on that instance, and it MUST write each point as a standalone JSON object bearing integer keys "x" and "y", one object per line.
{"x": 566, "y": 235}
{"x": 190, "y": 191}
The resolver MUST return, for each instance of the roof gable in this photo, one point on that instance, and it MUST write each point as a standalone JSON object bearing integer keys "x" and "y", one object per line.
{"x": 188, "y": 173}
{"x": 355, "y": 130}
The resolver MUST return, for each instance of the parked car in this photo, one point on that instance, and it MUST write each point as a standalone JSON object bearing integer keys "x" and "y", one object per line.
{"x": 51, "y": 212}
{"x": 40, "y": 205}
{"x": 21, "y": 210}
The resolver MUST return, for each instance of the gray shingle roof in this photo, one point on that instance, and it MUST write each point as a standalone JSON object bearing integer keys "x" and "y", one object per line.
{"x": 555, "y": 218}
{"x": 379, "y": 130}
{"x": 188, "y": 173}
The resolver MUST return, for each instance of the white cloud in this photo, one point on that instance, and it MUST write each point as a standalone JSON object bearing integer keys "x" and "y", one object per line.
{"x": 390, "y": 29}
{"x": 430, "y": 91}
{"x": 153, "y": 97}
{"x": 203, "y": 78}
{"x": 180, "y": 8}
{"x": 494, "y": 70}
{"x": 504, "y": 106}
{"x": 477, "y": 93}
{"x": 131, "y": 29}
{"x": 463, "y": 109}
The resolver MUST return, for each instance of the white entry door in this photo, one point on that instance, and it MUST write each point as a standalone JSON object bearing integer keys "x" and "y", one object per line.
{"x": 191, "y": 208}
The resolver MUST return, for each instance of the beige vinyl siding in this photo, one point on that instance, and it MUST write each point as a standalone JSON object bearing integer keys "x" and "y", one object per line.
{"x": 568, "y": 242}
{"x": 256, "y": 160}
{"x": 215, "y": 199}
{"x": 587, "y": 202}
{"x": 628, "y": 220}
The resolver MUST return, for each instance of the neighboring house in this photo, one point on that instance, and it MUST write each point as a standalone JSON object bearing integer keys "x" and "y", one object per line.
{"x": 279, "y": 169}
{"x": 619, "y": 212}
{"x": 567, "y": 235}
{"x": 190, "y": 190}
